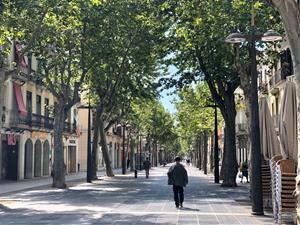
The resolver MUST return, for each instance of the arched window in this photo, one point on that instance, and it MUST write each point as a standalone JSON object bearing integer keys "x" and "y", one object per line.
{"x": 37, "y": 158}
{"x": 28, "y": 159}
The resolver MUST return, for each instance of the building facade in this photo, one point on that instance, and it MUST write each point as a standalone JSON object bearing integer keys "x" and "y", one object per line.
{"x": 26, "y": 148}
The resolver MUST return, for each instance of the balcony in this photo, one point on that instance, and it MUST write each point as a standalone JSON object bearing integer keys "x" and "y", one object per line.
{"x": 31, "y": 121}
{"x": 70, "y": 128}
{"x": 34, "y": 121}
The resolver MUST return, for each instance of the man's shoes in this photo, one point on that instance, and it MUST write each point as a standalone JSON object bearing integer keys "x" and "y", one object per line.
{"x": 177, "y": 206}
{"x": 180, "y": 205}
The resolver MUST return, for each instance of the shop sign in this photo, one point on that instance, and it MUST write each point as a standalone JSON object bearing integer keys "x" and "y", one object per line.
{"x": 11, "y": 139}
{"x": 38, "y": 134}
{"x": 72, "y": 141}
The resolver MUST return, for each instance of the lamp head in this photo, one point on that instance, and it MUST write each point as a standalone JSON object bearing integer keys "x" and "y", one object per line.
{"x": 235, "y": 38}
{"x": 271, "y": 35}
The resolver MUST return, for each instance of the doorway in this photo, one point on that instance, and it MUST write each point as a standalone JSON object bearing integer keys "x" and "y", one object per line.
{"x": 10, "y": 155}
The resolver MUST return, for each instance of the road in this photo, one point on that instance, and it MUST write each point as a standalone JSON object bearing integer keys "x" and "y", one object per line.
{"x": 124, "y": 200}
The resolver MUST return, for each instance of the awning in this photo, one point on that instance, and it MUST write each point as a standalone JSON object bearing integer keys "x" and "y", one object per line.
{"x": 269, "y": 142}
{"x": 20, "y": 101}
{"x": 288, "y": 123}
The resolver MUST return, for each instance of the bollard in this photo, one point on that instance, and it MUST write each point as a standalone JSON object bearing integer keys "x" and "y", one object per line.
{"x": 135, "y": 173}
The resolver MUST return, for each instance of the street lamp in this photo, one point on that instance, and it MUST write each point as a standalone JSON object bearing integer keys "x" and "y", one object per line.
{"x": 123, "y": 152}
{"x": 140, "y": 151}
{"x": 256, "y": 182}
{"x": 216, "y": 146}
{"x": 89, "y": 152}
{"x": 89, "y": 157}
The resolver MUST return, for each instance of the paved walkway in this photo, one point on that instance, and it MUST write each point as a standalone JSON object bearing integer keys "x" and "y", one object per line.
{"x": 13, "y": 186}
{"x": 124, "y": 200}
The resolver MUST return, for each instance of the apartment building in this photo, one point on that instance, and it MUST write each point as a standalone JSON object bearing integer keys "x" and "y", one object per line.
{"x": 26, "y": 148}
{"x": 116, "y": 142}
{"x": 113, "y": 138}
{"x": 242, "y": 144}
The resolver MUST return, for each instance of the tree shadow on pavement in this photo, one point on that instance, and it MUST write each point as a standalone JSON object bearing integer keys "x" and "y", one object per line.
{"x": 189, "y": 209}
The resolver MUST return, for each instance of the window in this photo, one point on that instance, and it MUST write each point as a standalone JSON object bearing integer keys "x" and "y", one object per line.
{"x": 286, "y": 64}
{"x": 38, "y": 105}
{"x": 29, "y": 102}
{"x": 29, "y": 57}
{"x": 46, "y": 107}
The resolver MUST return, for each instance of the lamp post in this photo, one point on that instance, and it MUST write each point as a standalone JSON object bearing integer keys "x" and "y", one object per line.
{"x": 89, "y": 156}
{"x": 216, "y": 146}
{"x": 256, "y": 182}
{"x": 88, "y": 148}
{"x": 123, "y": 151}
{"x": 140, "y": 152}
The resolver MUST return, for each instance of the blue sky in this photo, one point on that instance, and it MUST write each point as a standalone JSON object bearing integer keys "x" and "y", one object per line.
{"x": 166, "y": 101}
{"x": 168, "y": 95}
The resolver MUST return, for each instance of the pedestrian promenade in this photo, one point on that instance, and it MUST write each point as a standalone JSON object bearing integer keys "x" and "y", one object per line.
{"x": 13, "y": 186}
{"x": 124, "y": 200}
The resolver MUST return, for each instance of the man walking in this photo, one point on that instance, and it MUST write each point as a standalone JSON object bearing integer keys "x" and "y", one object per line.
{"x": 147, "y": 166}
{"x": 177, "y": 176}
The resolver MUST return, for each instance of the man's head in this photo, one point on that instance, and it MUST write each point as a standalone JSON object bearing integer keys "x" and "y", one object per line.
{"x": 177, "y": 159}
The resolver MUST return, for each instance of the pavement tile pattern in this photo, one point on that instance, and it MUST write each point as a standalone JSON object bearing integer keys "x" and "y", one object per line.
{"x": 124, "y": 200}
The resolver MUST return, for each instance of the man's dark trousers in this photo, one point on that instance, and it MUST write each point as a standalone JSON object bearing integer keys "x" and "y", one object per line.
{"x": 178, "y": 195}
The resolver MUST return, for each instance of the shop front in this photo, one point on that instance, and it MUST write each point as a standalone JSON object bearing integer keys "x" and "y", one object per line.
{"x": 10, "y": 156}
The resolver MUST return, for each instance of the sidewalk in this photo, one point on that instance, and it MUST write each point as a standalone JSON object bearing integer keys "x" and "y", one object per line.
{"x": 14, "y": 186}
{"x": 125, "y": 200}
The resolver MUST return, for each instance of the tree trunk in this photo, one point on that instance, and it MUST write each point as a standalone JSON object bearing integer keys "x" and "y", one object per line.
{"x": 94, "y": 167}
{"x": 212, "y": 153}
{"x": 2, "y": 79}
{"x": 59, "y": 167}
{"x": 200, "y": 151}
{"x": 155, "y": 153}
{"x": 109, "y": 171}
{"x": 223, "y": 158}
{"x": 230, "y": 162}
{"x": 148, "y": 149}
{"x": 289, "y": 11}
{"x": 132, "y": 164}
{"x": 205, "y": 148}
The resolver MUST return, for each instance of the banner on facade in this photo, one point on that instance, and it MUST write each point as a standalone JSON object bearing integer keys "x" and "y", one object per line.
{"x": 39, "y": 135}
{"x": 11, "y": 139}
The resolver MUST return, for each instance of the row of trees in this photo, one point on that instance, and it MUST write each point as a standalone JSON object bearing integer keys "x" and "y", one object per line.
{"x": 158, "y": 127}
{"x": 116, "y": 46}
{"x": 195, "y": 121}
{"x": 197, "y": 48}
{"x": 108, "y": 48}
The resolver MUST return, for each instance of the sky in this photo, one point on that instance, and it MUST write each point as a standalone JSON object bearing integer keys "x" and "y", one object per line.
{"x": 166, "y": 101}
{"x": 168, "y": 95}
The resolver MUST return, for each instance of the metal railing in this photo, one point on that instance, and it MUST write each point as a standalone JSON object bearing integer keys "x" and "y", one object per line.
{"x": 37, "y": 121}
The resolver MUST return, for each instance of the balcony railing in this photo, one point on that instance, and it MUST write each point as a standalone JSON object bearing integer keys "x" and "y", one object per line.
{"x": 37, "y": 121}
{"x": 31, "y": 120}
{"x": 70, "y": 128}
